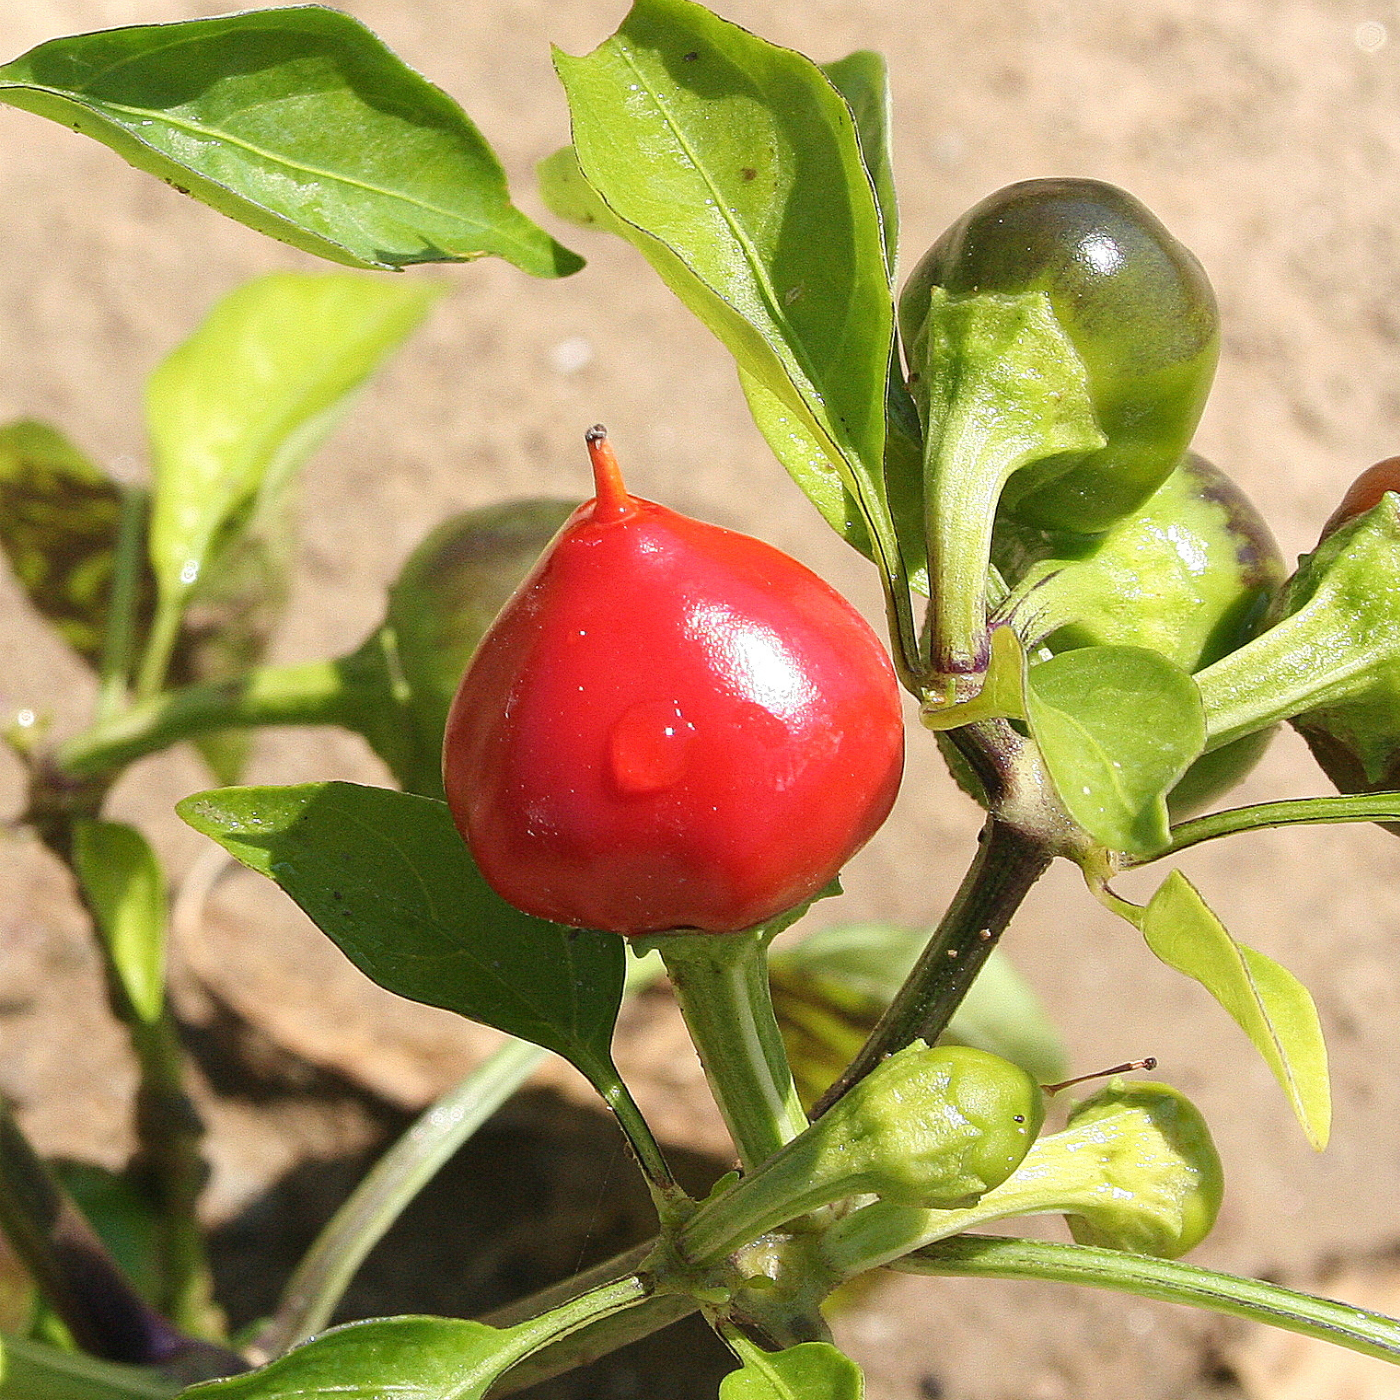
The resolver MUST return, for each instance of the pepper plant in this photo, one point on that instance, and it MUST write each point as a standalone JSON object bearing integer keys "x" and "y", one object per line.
{"x": 1092, "y": 623}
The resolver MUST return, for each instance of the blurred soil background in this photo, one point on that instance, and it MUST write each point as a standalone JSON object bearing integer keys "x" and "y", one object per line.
{"x": 1266, "y": 135}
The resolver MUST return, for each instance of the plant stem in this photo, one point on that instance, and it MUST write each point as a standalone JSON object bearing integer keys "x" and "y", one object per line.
{"x": 312, "y": 692}
{"x": 160, "y": 646}
{"x": 170, "y": 1132}
{"x": 1007, "y": 864}
{"x": 665, "y": 1193}
{"x": 77, "y": 1276}
{"x": 721, "y": 984}
{"x": 1300, "y": 811}
{"x": 320, "y": 1280}
{"x": 1165, "y": 1280}
{"x": 114, "y": 670}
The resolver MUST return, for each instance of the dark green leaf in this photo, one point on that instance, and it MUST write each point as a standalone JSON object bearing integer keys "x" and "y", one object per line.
{"x": 408, "y": 1358}
{"x": 735, "y": 168}
{"x": 1270, "y": 1005}
{"x": 298, "y": 122}
{"x": 863, "y": 79}
{"x": 1117, "y": 726}
{"x": 126, "y": 892}
{"x": 388, "y": 878}
{"x": 58, "y": 524}
{"x": 32, "y": 1370}
{"x": 235, "y": 409}
{"x": 809, "y": 1371}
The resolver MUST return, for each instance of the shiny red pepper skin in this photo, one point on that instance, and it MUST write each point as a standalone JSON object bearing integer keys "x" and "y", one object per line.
{"x": 1364, "y": 493}
{"x": 670, "y": 725}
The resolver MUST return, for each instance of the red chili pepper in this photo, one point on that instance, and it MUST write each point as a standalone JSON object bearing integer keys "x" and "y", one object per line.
{"x": 669, "y": 726}
{"x": 1363, "y": 494}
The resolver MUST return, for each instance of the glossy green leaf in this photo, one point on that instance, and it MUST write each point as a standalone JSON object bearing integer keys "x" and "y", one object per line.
{"x": 736, "y": 170}
{"x": 863, "y": 79}
{"x": 125, "y": 889}
{"x": 58, "y": 524}
{"x": 298, "y": 122}
{"x": 809, "y": 1371}
{"x": 31, "y": 1370}
{"x": 386, "y": 876}
{"x": 1117, "y": 726}
{"x": 408, "y": 1358}
{"x": 235, "y": 409}
{"x": 1270, "y": 1005}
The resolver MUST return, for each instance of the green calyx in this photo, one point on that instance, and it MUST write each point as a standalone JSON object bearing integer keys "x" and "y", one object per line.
{"x": 998, "y": 386}
{"x": 927, "y": 1128}
{"x": 1331, "y": 662}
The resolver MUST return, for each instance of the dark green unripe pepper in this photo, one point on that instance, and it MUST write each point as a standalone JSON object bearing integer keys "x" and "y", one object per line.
{"x": 926, "y": 1128}
{"x": 446, "y": 595}
{"x": 1190, "y": 574}
{"x": 1135, "y": 305}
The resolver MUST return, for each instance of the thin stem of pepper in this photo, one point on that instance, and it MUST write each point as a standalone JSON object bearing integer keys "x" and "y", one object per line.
{"x": 1168, "y": 1281}
{"x": 160, "y": 646}
{"x": 313, "y": 692}
{"x": 114, "y": 668}
{"x": 1007, "y": 865}
{"x": 721, "y": 985}
{"x": 666, "y": 1195}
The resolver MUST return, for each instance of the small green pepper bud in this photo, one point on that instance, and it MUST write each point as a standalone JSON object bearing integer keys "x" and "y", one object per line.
{"x": 1190, "y": 574}
{"x": 1134, "y": 303}
{"x": 934, "y": 1128}
{"x": 1160, "y": 1176}
{"x": 1331, "y": 662}
{"x": 1134, "y": 1170}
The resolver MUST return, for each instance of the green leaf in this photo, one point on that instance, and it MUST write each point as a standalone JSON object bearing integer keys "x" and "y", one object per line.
{"x": 567, "y": 194}
{"x": 298, "y": 122}
{"x": 58, "y": 524}
{"x": 31, "y": 1370}
{"x": 235, "y": 409}
{"x": 1269, "y": 1004}
{"x": 863, "y": 79}
{"x": 408, "y": 1358}
{"x": 809, "y": 1371}
{"x": 1117, "y": 726}
{"x": 386, "y": 876}
{"x": 736, "y": 170}
{"x": 126, "y": 892}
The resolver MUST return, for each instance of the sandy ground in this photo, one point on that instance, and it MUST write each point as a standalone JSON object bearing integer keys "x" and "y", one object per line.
{"x": 1263, "y": 132}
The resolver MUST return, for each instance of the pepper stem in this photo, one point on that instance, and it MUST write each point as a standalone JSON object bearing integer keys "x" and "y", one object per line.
{"x": 611, "y": 499}
{"x": 721, "y": 984}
